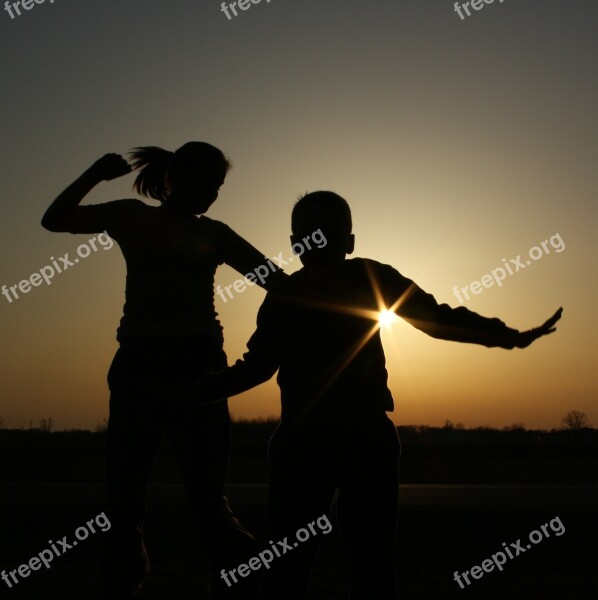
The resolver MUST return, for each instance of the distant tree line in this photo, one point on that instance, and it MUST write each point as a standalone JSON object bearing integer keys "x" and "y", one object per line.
{"x": 573, "y": 421}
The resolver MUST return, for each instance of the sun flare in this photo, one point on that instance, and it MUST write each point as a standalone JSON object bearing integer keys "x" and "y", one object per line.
{"x": 386, "y": 318}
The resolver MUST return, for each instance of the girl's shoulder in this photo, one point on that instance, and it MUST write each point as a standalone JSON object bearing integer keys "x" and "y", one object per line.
{"x": 216, "y": 229}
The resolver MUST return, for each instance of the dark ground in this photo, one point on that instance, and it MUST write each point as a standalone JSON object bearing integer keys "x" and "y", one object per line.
{"x": 442, "y": 529}
{"x": 464, "y": 493}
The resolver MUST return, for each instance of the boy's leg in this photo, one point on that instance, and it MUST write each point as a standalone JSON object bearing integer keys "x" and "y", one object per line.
{"x": 134, "y": 436}
{"x": 301, "y": 488}
{"x": 200, "y": 438}
{"x": 368, "y": 510}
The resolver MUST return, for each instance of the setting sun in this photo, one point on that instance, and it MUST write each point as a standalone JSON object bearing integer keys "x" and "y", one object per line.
{"x": 386, "y": 318}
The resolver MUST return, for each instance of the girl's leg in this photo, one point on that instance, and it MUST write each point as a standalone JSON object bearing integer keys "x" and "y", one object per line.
{"x": 200, "y": 440}
{"x": 200, "y": 437}
{"x": 301, "y": 489}
{"x": 134, "y": 437}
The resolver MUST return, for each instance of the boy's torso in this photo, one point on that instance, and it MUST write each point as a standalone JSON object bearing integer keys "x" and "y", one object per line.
{"x": 332, "y": 364}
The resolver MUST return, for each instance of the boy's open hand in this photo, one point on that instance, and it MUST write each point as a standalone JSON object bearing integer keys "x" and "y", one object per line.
{"x": 525, "y": 338}
{"x": 110, "y": 166}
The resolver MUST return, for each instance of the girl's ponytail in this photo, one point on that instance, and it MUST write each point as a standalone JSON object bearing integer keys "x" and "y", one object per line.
{"x": 153, "y": 164}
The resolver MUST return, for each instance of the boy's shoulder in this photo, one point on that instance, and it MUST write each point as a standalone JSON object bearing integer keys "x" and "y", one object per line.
{"x": 350, "y": 270}
{"x": 210, "y": 223}
{"x": 363, "y": 264}
{"x": 351, "y": 266}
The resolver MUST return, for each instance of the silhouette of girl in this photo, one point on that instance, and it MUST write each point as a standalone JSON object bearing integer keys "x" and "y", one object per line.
{"x": 169, "y": 336}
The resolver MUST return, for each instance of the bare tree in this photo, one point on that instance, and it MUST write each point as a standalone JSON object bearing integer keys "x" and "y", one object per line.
{"x": 102, "y": 427}
{"x": 47, "y": 425}
{"x": 514, "y": 427}
{"x": 2, "y": 421}
{"x": 575, "y": 420}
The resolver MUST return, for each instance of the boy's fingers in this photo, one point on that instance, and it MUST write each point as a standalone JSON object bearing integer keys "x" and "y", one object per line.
{"x": 547, "y": 327}
{"x": 555, "y": 317}
{"x": 551, "y": 322}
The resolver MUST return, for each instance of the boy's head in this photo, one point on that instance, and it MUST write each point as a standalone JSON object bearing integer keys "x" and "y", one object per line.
{"x": 329, "y": 214}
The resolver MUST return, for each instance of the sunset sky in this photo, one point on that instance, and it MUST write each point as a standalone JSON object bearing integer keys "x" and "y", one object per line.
{"x": 457, "y": 143}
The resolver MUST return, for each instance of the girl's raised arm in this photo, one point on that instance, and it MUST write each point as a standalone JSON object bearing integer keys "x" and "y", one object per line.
{"x": 63, "y": 213}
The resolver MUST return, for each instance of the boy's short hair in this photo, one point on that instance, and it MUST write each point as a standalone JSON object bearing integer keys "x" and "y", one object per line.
{"x": 321, "y": 210}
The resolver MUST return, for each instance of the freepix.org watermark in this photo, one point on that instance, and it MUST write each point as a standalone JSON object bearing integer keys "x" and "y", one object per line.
{"x": 45, "y": 557}
{"x": 228, "y": 8}
{"x": 13, "y": 8}
{"x": 277, "y": 550}
{"x": 515, "y": 549}
{"x": 475, "y": 4}
{"x": 514, "y": 265}
{"x": 48, "y": 272}
{"x": 262, "y": 272}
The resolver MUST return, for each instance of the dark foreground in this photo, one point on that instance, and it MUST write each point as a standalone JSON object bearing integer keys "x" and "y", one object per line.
{"x": 442, "y": 529}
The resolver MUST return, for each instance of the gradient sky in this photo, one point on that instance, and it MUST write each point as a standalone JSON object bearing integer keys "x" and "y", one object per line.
{"x": 457, "y": 143}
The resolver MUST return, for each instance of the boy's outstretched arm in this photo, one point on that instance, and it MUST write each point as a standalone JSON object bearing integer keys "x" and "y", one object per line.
{"x": 259, "y": 363}
{"x": 441, "y": 321}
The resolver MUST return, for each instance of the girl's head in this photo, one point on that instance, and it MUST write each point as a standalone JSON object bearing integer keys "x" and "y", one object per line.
{"x": 187, "y": 179}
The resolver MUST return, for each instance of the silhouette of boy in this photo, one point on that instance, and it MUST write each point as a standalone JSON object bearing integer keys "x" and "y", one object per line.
{"x": 319, "y": 328}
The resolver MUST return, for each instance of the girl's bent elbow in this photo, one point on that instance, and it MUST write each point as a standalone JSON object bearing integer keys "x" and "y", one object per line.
{"x": 53, "y": 225}
{"x": 47, "y": 224}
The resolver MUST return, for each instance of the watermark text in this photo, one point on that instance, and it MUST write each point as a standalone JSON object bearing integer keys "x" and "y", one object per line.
{"x": 262, "y": 272}
{"x": 56, "y": 549}
{"x": 14, "y": 8}
{"x": 475, "y": 4}
{"x": 514, "y": 265}
{"x": 265, "y": 557}
{"x": 242, "y": 4}
{"x": 512, "y": 551}
{"x": 63, "y": 263}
